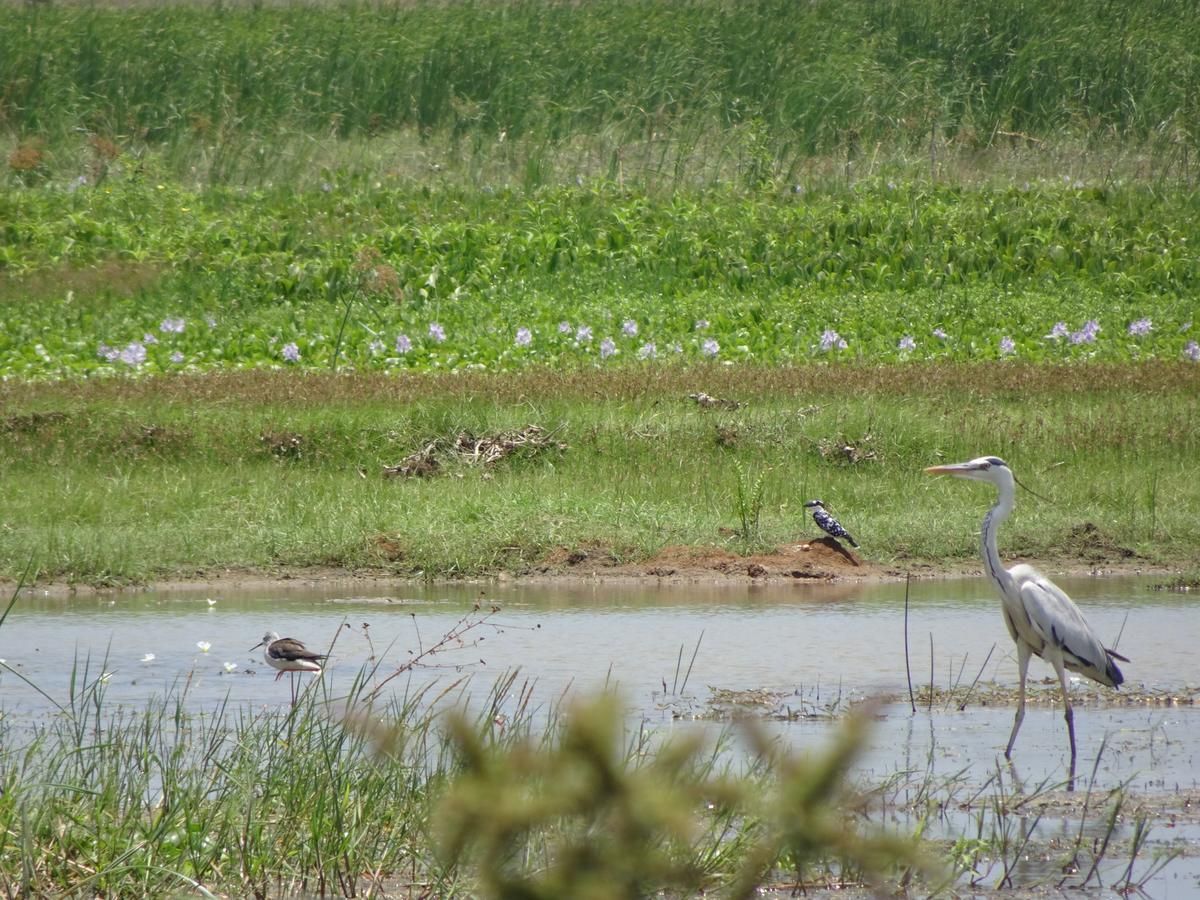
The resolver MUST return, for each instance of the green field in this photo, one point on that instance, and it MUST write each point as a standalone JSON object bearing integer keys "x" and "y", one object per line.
{"x": 409, "y": 210}
{"x": 253, "y": 254}
{"x": 119, "y": 480}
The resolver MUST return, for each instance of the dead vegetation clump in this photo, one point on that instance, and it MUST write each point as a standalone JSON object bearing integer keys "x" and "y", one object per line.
{"x": 706, "y": 401}
{"x": 466, "y": 448}
{"x": 283, "y": 444}
{"x": 31, "y": 423}
{"x": 1089, "y": 542}
{"x": 844, "y": 451}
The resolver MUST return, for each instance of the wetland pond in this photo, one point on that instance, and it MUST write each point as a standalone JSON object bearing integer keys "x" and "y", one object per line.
{"x": 683, "y": 656}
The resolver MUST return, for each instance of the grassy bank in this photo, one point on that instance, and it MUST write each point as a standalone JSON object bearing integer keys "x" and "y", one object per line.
{"x": 132, "y": 479}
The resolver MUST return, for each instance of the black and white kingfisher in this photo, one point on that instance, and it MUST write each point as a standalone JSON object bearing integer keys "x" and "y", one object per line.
{"x": 828, "y": 523}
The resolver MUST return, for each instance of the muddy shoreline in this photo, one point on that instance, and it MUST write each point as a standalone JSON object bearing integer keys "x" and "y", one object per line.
{"x": 818, "y": 561}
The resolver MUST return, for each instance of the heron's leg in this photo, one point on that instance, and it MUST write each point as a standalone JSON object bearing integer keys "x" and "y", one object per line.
{"x": 1068, "y": 713}
{"x": 1023, "y": 652}
{"x": 279, "y": 674}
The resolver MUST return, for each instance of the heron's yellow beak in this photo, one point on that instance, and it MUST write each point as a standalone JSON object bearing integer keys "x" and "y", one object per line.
{"x": 942, "y": 470}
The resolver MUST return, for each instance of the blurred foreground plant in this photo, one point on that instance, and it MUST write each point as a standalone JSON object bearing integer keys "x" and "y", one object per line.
{"x": 580, "y": 819}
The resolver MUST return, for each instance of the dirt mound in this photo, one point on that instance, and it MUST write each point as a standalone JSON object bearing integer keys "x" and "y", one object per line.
{"x": 819, "y": 559}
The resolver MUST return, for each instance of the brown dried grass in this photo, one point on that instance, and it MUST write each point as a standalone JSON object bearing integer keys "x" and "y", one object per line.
{"x": 960, "y": 383}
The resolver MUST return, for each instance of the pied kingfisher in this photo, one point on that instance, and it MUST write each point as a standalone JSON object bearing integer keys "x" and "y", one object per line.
{"x": 828, "y": 523}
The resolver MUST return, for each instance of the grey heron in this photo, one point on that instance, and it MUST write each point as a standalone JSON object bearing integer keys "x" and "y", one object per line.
{"x": 288, "y": 655}
{"x": 1041, "y": 618}
{"x": 827, "y": 523}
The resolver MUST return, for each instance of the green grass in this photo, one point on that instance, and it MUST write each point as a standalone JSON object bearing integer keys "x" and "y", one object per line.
{"x": 121, "y": 479}
{"x": 770, "y": 84}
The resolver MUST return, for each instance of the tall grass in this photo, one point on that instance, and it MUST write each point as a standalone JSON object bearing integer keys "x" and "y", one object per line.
{"x": 769, "y": 82}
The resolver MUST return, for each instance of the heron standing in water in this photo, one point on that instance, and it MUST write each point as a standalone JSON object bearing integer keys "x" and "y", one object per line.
{"x": 1041, "y": 618}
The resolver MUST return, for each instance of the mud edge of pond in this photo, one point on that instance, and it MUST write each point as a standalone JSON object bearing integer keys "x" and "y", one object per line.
{"x": 818, "y": 561}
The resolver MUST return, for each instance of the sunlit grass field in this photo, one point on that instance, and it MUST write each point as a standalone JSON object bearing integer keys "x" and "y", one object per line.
{"x": 121, "y": 480}
{"x": 405, "y": 208}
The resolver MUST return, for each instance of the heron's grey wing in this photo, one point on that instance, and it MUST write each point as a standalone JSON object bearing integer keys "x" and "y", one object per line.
{"x": 1058, "y": 621}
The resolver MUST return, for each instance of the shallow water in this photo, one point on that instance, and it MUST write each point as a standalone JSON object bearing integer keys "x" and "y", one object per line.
{"x": 817, "y": 642}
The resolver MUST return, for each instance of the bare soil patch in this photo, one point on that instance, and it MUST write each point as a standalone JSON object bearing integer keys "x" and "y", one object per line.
{"x": 823, "y": 559}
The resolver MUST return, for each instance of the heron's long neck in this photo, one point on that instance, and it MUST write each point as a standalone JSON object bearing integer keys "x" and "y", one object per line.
{"x": 991, "y": 524}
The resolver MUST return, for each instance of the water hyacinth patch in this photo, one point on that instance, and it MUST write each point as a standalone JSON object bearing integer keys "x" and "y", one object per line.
{"x": 710, "y": 348}
{"x": 1140, "y": 327}
{"x": 437, "y": 332}
{"x": 583, "y": 334}
{"x": 1058, "y": 331}
{"x": 176, "y": 324}
{"x": 1087, "y": 334}
{"x": 177, "y": 357}
{"x": 290, "y": 352}
{"x": 940, "y": 334}
{"x": 564, "y": 327}
{"x": 608, "y": 347}
{"x": 1192, "y": 351}
{"x": 1007, "y": 346}
{"x": 830, "y": 340}
{"x": 906, "y": 343}
{"x": 701, "y": 324}
{"x": 647, "y": 351}
{"x": 134, "y": 354}
{"x": 629, "y": 328}
{"x": 403, "y": 344}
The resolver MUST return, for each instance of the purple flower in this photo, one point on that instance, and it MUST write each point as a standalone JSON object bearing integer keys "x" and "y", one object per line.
{"x": 710, "y": 348}
{"x": 940, "y": 334}
{"x": 1087, "y": 334}
{"x": 1059, "y": 330}
{"x": 564, "y": 327}
{"x": 629, "y": 328}
{"x": 1192, "y": 351}
{"x": 403, "y": 344}
{"x": 524, "y": 337}
{"x": 583, "y": 334}
{"x": 134, "y": 354}
{"x": 701, "y": 324}
{"x": 647, "y": 351}
{"x": 112, "y": 354}
{"x": 829, "y": 339}
{"x": 175, "y": 325}
{"x": 607, "y": 348}
{"x": 1007, "y": 346}
{"x": 907, "y": 343}
{"x": 177, "y": 357}
{"x": 291, "y": 353}
{"x": 1140, "y": 327}
{"x": 437, "y": 332}
{"x": 677, "y": 347}
{"x": 149, "y": 338}
{"x": 376, "y": 347}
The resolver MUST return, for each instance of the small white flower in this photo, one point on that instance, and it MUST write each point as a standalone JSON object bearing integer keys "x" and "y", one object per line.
{"x": 230, "y": 667}
{"x": 204, "y": 646}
